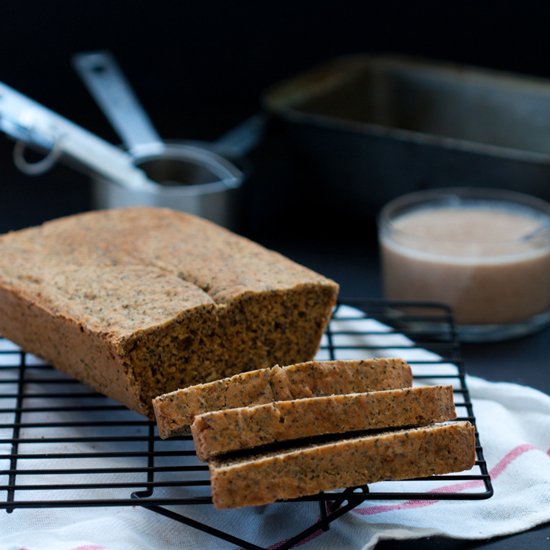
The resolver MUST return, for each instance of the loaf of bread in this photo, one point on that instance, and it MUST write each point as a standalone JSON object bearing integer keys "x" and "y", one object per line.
{"x": 138, "y": 302}
{"x": 307, "y": 470}
{"x": 242, "y": 428}
{"x": 175, "y": 411}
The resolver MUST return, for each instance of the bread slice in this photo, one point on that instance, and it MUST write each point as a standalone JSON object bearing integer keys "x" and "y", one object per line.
{"x": 137, "y": 302}
{"x": 237, "y": 429}
{"x": 175, "y": 411}
{"x": 302, "y": 471}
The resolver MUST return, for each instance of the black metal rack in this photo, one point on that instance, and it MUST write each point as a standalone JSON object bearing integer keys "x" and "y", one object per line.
{"x": 62, "y": 445}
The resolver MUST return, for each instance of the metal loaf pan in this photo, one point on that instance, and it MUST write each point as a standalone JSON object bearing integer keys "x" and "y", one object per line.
{"x": 368, "y": 128}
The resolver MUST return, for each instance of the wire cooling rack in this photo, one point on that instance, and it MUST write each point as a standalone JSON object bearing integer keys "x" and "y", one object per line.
{"x": 62, "y": 445}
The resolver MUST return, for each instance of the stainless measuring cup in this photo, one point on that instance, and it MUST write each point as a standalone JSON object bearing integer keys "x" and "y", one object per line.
{"x": 214, "y": 193}
{"x": 187, "y": 176}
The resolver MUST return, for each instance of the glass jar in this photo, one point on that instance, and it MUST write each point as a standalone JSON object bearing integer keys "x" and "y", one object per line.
{"x": 484, "y": 252}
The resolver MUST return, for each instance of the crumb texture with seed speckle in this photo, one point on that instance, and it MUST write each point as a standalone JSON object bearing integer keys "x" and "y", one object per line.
{"x": 354, "y": 461}
{"x": 242, "y": 428}
{"x": 175, "y": 411}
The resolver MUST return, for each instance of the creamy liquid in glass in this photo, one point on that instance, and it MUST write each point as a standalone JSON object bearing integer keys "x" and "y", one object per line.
{"x": 476, "y": 259}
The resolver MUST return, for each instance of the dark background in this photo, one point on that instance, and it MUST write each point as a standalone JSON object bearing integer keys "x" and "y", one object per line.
{"x": 200, "y": 68}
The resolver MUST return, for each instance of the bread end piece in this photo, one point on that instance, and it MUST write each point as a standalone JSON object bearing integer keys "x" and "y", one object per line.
{"x": 302, "y": 471}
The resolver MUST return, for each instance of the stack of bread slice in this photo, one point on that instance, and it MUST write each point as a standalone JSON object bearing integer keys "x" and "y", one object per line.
{"x": 287, "y": 432}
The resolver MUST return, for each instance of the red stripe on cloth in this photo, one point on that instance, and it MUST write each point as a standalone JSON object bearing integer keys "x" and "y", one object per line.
{"x": 371, "y": 510}
{"x": 455, "y": 487}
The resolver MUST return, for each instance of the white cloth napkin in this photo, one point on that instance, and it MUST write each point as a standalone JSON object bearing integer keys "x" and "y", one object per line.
{"x": 514, "y": 426}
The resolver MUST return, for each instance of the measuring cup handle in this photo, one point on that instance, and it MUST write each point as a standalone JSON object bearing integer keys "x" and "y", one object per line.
{"x": 110, "y": 89}
{"x": 30, "y": 123}
{"x": 241, "y": 140}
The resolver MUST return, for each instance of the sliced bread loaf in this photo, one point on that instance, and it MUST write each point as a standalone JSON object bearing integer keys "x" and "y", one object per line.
{"x": 237, "y": 429}
{"x": 175, "y": 411}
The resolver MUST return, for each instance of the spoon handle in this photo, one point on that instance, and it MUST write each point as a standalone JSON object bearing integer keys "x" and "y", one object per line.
{"x": 32, "y": 124}
{"x": 112, "y": 92}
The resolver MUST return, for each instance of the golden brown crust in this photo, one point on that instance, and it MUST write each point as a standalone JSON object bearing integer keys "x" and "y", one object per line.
{"x": 237, "y": 429}
{"x": 175, "y": 411}
{"x": 166, "y": 299}
{"x": 302, "y": 471}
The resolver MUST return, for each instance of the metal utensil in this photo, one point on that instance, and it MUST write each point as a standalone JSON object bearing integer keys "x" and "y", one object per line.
{"x": 32, "y": 124}
{"x": 111, "y": 91}
{"x": 189, "y": 176}
{"x": 108, "y": 86}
